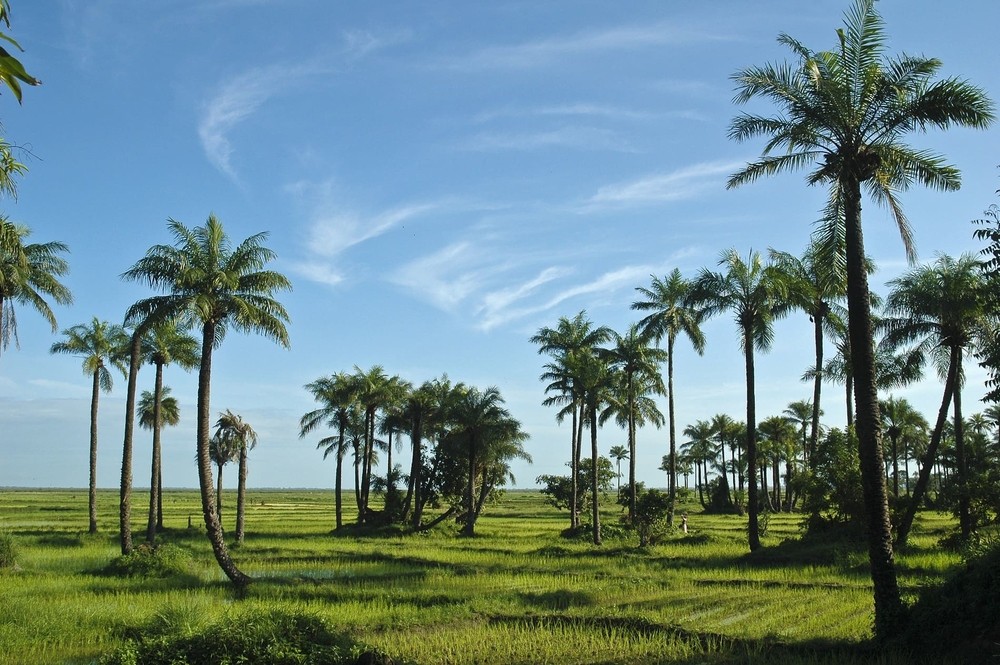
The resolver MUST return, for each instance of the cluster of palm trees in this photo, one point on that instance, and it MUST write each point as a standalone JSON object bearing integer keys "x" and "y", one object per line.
{"x": 462, "y": 441}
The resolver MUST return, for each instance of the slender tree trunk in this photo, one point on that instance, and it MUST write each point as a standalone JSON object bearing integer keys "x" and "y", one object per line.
{"x": 895, "y": 465}
{"x": 632, "y": 494}
{"x": 125, "y": 495}
{"x": 577, "y": 455}
{"x": 241, "y": 495}
{"x": 930, "y": 455}
{"x": 95, "y": 396}
{"x": 594, "y": 499}
{"x": 672, "y": 461}
{"x": 818, "y": 317}
{"x": 752, "y": 509}
{"x": 218, "y": 494}
{"x": 154, "y": 494}
{"x": 415, "y": 464}
{"x": 357, "y": 478}
{"x": 470, "y": 496}
{"x": 723, "y": 476}
{"x": 961, "y": 467}
{"x": 338, "y": 489}
{"x": 159, "y": 497}
{"x": 213, "y": 526}
{"x": 888, "y": 606}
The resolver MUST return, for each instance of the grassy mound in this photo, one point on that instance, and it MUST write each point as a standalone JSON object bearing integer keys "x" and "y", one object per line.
{"x": 158, "y": 561}
{"x": 275, "y": 637}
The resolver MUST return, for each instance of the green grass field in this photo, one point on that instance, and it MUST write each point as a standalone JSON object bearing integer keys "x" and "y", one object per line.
{"x": 519, "y": 592}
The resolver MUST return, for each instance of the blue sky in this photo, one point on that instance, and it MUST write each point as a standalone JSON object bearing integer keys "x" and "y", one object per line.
{"x": 439, "y": 180}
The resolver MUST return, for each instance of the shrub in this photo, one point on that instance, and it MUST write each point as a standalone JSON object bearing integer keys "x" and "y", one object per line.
{"x": 8, "y": 551}
{"x": 151, "y": 561}
{"x": 278, "y": 638}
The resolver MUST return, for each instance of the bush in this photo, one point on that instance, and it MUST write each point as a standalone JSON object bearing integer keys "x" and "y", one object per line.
{"x": 651, "y": 511}
{"x": 8, "y": 551}
{"x": 151, "y": 561}
{"x": 277, "y": 638}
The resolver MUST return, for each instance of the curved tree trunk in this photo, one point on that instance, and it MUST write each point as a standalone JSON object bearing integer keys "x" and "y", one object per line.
{"x": 92, "y": 502}
{"x": 575, "y": 467}
{"x": 241, "y": 495}
{"x": 888, "y": 606}
{"x": 125, "y": 497}
{"x": 962, "y": 471}
{"x": 154, "y": 488}
{"x": 213, "y": 526}
{"x": 753, "y": 532}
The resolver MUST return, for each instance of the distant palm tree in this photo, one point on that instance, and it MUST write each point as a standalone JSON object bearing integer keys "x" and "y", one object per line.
{"x": 241, "y": 436}
{"x": 801, "y": 413}
{"x": 671, "y": 314}
{"x": 222, "y": 450}
{"x": 375, "y": 391}
{"x": 155, "y": 412}
{"x": 756, "y": 294}
{"x": 166, "y": 343}
{"x": 28, "y": 274}
{"x": 100, "y": 344}
{"x": 566, "y": 343}
{"x": 339, "y": 409}
{"x": 901, "y": 422}
{"x": 636, "y": 366}
{"x": 940, "y": 309}
{"x": 217, "y": 286}
{"x": 619, "y": 453}
{"x": 845, "y": 112}
{"x": 700, "y": 450}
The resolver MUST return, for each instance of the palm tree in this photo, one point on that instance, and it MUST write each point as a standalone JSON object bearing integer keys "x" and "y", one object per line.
{"x": 339, "y": 409}
{"x": 619, "y": 453}
{"x": 100, "y": 344}
{"x": 700, "y": 449}
{"x": 939, "y": 308}
{"x": 570, "y": 339}
{"x": 671, "y": 315}
{"x": 846, "y": 112}
{"x": 243, "y": 438}
{"x": 222, "y": 450}
{"x": 28, "y": 274}
{"x": 756, "y": 294}
{"x": 166, "y": 343}
{"x": 375, "y": 390}
{"x": 801, "y": 412}
{"x": 636, "y": 366}
{"x": 817, "y": 286}
{"x": 723, "y": 433}
{"x": 901, "y": 422}
{"x": 155, "y": 411}
{"x": 217, "y": 286}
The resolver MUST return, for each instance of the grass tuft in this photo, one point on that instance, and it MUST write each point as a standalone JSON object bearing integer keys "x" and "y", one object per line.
{"x": 8, "y": 551}
{"x": 159, "y": 561}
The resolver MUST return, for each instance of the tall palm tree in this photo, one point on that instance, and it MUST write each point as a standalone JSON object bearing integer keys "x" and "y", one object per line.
{"x": 817, "y": 287}
{"x": 166, "y": 343}
{"x": 338, "y": 408}
{"x": 596, "y": 383}
{"x": 217, "y": 286}
{"x": 756, "y": 294}
{"x": 566, "y": 343}
{"x": 619, "y": 453}
{"x": 846, "y": 112}
{"x": 671, "y": 314}
{"x": 243, "y": 438}
{"x": 939, "y": 308}
{"x": 28, "y": 274}
{"x": 101, "y": 346}
{"x": 375, "y": 390}
{"x": 155, "y": 411}
{"x": 636, "y": 364}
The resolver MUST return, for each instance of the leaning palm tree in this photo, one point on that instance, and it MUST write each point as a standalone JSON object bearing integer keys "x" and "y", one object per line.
{"x": 755, "y": 293}
{"x": 216, "y": 286}
{"x": 166, "y": 343}
{"x": 846, "y": 112}
{"x": 242, "y": 438}
{"x": 156, "y": 410}
{"x": 671, "y": 314}
{"x": 939, "y": 308}
{"x": 635, "y": 362}
{"x": 101, "y": 345}
{"x": 29, "y": 273}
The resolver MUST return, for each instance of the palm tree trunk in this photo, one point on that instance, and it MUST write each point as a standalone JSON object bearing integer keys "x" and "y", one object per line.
{"x": 155, "y": 473}
{"x": 159, "y": 498}
{"x": 722, "y": 475}
{"x": 241, "y": 492}
{"x": 594, "y": 500}
{"x": 888, "y": 606}
{"x": 961, "y": 469}
{"x": 218, "y": 494}
{"x": 817, "y": 380}
{"x": 213, "y": 525}
{"x": 632, "y": 494}
{"x": 125, "y": 495}
{"x": 672, "y": 461}
{"x": 413, "y": 492}
{"x": 338, "y": 482}
{"x": 575, "y": 461}
{"x": 95, "y": 396}
{"x": 470, "y": 496}
{"x": 895, "y": 465}
{"x": 753, "y": 533}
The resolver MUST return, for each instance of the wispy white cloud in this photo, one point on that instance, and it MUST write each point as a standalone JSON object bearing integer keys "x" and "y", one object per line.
{"x": 578, "y": 138}
{"x": 685, "y": 183}
{"x": 543, "y": 51}
{"x": 581, "y": 109}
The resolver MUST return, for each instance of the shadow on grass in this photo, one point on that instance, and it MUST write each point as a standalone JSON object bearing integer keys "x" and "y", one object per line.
{"x": 559, "y": 600}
